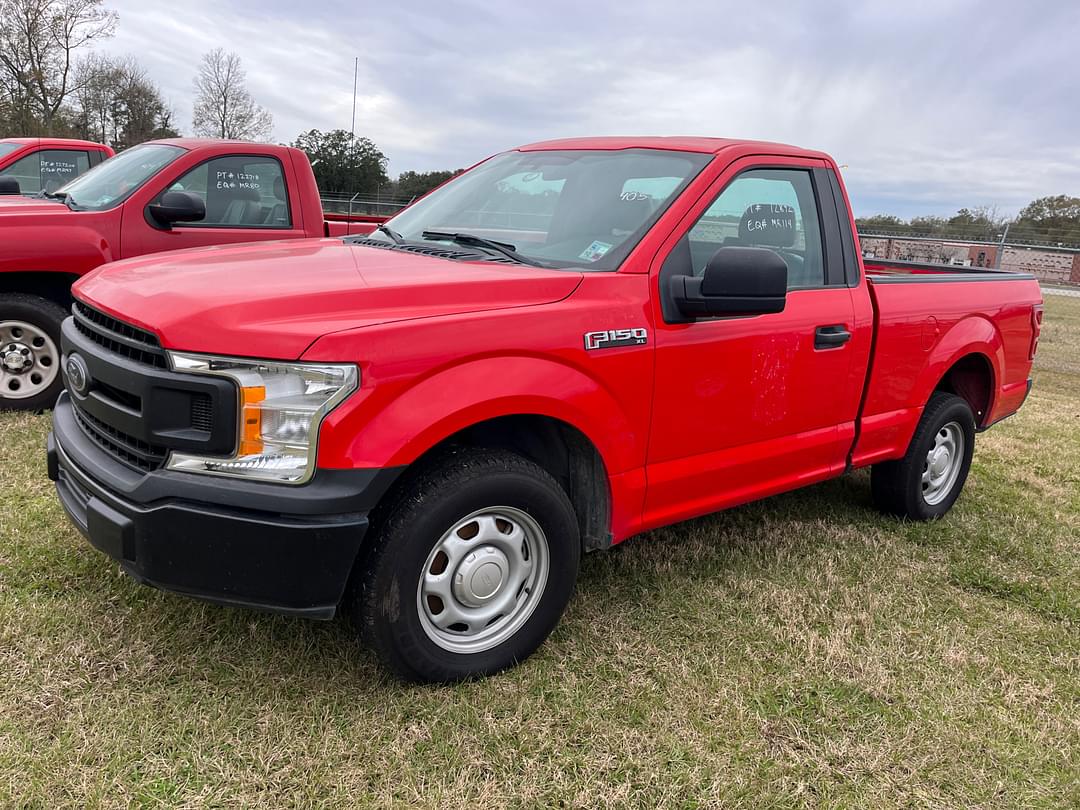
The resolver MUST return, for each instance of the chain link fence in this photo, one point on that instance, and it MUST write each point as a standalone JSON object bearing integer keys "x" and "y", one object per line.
{"x": 1055, "y": 263}
{"x": 363, "y": 205}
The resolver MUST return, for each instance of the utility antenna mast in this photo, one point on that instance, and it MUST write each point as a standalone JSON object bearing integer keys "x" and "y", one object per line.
{"x": 356, "y": 68}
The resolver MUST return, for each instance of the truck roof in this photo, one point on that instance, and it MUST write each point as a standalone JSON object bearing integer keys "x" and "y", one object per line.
{"x": 71, "y": 142}
{"x": 203, "y": 143}
{"x": 679, "y": 143}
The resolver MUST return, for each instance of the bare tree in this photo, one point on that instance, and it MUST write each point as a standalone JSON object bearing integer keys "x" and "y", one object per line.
{"x": 39, "y": 44}
{"x": 223, "y": 106}
{"x": 118, "y": 104}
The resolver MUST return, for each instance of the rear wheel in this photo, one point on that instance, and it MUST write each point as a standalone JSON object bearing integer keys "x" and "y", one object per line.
{"x": 926, "y": 482}
{"x": 469, "y": 569}
{"x": 29, "y": 352}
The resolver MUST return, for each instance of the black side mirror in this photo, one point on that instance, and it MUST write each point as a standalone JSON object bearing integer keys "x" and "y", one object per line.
{"x": 737, "y": 281}
{"x": 9, "y": 185}
{"x": 177, "y": 206}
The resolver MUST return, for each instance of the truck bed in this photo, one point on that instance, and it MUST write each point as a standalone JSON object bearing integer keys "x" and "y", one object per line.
{"x": 891, "y": 271}
{"x": 923, "y": 313}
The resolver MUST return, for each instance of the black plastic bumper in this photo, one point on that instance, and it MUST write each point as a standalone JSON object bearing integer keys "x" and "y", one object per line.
{"x": 267, "y": 546}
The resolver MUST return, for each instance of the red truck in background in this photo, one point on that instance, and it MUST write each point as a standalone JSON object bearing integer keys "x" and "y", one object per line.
{"x": 33, "y": 165}
{"x": 162, "y": 195}
{"x": 571, "y": 343}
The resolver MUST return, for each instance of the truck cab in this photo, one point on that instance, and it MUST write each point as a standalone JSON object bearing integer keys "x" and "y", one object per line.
{"x": 572, "y": 343}
{"x": 45, "y": 164}
{"x": 158, "y": 196}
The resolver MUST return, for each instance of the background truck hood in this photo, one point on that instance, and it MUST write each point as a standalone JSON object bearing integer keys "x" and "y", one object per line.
{"x": 273, "y": 299}
{"x": 15, "y": 204}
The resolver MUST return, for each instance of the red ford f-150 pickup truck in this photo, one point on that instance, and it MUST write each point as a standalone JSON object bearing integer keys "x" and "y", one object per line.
{"x": 33, "y": 165}
{"x": 569, "y": 344}
{"x": 162, "y": 195}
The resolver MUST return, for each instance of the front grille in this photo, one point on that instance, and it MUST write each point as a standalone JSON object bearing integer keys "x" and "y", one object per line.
{"x": 116, "y": 336}
{"x": 135, "y": 408}
{"x": 132, "y": 451}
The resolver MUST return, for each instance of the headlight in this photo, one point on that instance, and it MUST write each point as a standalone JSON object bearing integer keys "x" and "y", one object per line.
{"x": 280, "y": 408}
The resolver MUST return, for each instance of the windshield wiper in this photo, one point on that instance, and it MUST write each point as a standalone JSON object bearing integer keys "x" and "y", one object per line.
{"x": 62, "y": 196}
{"x": 506, "y": 249}
{"x": 397, "y": 237}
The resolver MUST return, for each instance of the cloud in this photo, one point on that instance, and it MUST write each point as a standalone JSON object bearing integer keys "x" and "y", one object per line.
{"x": 932, "y": 105}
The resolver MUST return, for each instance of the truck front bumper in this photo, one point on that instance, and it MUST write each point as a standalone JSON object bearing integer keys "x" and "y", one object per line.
{"x": 267, "y": 546}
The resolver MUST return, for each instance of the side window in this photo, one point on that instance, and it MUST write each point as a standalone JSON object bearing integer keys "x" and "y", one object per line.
{"x": 61, "y": 166}
{"x": 239, "y": 192}
{"x": 48, "y": 170}
{"x": 27, "y": 171}
{"x": 767, "y": 208}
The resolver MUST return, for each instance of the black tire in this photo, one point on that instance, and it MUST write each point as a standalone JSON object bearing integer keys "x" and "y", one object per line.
{"x": 898, "y": 487}
{"x": 385, "y": 602}
{"x": 46, "y": 316}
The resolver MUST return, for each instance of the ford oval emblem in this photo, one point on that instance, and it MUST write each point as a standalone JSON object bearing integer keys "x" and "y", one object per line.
{"x": 78, "y": 375}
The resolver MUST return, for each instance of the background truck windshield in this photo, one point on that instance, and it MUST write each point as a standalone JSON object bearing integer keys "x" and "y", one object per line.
{"x": 8, "y": 148}
{"x": 114, "y": 180}
{"x": 578, "y": 208}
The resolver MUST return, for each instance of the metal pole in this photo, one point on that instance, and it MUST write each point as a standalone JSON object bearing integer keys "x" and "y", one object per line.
{"x": 1001, "y": 247}
{"x": 355, "y": 70}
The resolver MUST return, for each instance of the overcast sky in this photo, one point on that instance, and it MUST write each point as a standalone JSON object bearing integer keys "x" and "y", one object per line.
{"x": 932, "y": 105}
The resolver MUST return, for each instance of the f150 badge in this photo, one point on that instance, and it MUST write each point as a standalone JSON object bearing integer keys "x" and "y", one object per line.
{"x": 614, "y": 338}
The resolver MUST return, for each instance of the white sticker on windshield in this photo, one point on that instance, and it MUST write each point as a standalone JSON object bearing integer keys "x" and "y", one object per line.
{"x": 595, "y": 251}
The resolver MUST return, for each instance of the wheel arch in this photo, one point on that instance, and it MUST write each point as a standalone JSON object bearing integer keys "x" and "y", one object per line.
{"x": 967, "y": 361}
{"x": 549, "y": 411}
{"x": 52, "y": 285}
{"x": 971, "y": 378}
{"x": 560, "y": 448}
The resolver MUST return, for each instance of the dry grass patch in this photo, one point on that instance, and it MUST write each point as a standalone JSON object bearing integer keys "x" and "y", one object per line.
{"x": 804, "y": 651}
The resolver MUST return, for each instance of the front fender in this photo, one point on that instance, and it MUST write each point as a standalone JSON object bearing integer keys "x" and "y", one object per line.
{"x": 380, "y": 429}
{"x": 59, "y": 247}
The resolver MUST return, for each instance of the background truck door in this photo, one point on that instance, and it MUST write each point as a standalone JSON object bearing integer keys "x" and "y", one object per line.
{"x": 747, "y": 406}
{"x": 249, "y": 198}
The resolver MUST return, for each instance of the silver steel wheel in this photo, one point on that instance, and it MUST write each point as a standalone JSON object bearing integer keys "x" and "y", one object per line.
{"x": 29, "y": 360}
{"x": 942, "y": 465}
{"x": 483, "y": 579}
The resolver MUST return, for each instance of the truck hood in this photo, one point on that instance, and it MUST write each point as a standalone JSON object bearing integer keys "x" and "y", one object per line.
{"x": 17, "y": 204}
{"x": 274, "y": 299}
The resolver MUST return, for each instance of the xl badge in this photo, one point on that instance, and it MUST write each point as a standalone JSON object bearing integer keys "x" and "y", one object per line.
{"x": 613, "y": 338}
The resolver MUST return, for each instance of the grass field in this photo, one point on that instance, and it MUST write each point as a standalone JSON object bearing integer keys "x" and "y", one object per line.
{"x": 803, "y": 651}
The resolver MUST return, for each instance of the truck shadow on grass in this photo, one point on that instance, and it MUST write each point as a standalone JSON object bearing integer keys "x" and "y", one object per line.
{"x": 768, "y": 539}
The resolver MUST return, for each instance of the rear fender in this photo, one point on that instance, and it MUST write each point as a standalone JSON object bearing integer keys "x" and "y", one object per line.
{"x": 973, "y": 335}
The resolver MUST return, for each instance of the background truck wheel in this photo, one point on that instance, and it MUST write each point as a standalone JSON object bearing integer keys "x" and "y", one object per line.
{"x": 29, "y": 352}
{"x": 925, "y": 483}
{"x": 470, "y": 567}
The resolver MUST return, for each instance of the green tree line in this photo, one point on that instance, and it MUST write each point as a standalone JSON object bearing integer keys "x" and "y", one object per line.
{"x": 1051, "y": 220}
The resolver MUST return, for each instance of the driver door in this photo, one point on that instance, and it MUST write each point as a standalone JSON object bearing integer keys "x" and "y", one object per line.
{"x": 748, "y": 406}
{"x": 248, "y": 198}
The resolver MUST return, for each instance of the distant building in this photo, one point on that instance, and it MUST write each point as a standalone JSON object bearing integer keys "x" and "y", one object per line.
{"x": 1047, "y": 264}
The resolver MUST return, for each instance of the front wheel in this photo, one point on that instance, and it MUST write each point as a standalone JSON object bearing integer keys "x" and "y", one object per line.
{"x": 29, "y": 352}
{"x": 470, "y": 569}
{"x": 926, "y": 482}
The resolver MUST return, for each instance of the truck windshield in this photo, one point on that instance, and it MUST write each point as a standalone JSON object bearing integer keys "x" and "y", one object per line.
{"x": 8, "y": 148}
{"x": 577, "y": 208}
{"x": 117, "y": 178}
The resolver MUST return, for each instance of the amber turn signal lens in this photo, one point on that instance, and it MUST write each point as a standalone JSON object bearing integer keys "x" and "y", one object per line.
{"x": 251, "y": 419}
